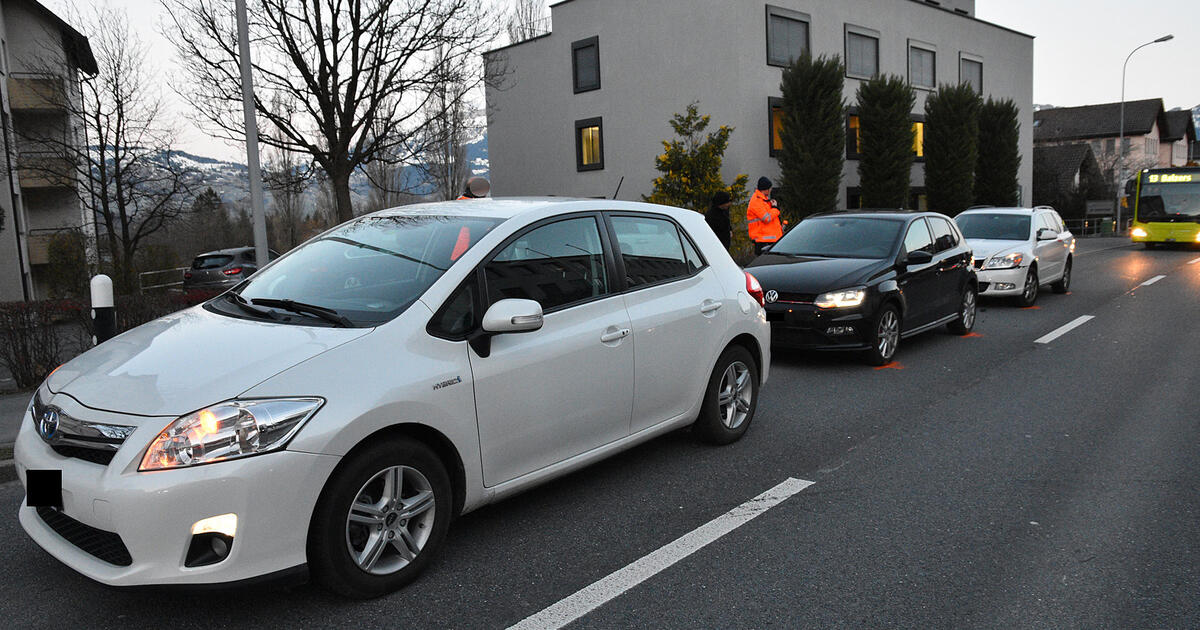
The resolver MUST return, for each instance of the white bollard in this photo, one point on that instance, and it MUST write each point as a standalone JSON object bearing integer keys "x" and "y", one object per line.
{"x": 104, "y": 313}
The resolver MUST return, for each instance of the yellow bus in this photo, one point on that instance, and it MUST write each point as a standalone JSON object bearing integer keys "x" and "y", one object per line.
{"x": 1166, "y": 206}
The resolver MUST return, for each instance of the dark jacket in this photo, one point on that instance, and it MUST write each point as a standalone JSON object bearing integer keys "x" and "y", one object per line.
{"x": 718, "y": 220}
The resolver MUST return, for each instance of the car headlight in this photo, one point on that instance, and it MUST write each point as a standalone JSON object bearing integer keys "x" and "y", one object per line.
{"x": 1007, "y": 261}
{"x": 228, "y": 430}
{"x": 844, "y": 298}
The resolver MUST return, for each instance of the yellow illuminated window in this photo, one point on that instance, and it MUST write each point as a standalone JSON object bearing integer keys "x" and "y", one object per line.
{"x": 776, "y": 128}
{"x": 919, "y": 139}
{"x": 854, "y": 133}
{"x": 589, "y": 143}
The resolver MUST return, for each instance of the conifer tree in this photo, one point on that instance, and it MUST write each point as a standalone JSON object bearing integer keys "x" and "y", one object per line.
{"x": 812, "y": 136}
{"x": 951, "y": 147}
{"x": 691, "y": 164}
{"x": 886, "y": 137}
{"x": 999, "y": 154}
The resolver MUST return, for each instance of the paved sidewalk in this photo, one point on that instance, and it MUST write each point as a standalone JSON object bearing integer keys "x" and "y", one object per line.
{"x": 12, "y": 411}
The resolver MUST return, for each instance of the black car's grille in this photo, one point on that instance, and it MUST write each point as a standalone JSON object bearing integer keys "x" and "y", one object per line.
{"x": 96, "y": 456}
{"x": 796, "y": 298}
{"x": 106, "y": 546}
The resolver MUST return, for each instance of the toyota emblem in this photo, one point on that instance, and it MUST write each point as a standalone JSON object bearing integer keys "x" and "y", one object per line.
{"x": 47, "y": 425}
{"x": 772, "y": 296}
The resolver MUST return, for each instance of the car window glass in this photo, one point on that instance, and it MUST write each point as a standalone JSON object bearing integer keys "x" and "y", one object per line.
{"x": 1058, "y": 222}
{"x": 456, "y": 318}
{"x": 651, "y": 250}
{"x": 211, "y": 262}
{"x": 943, "y": 235}
{"x": 918, "y": 238}
{"x": 693, "y": 257}
{"x": 1004, "y": 227}
{"x": 556, "y": 264}
{"x": 1044, "y": 221}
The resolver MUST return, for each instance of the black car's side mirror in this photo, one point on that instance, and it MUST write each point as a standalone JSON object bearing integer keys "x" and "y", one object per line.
{"x": 919, "y": 257}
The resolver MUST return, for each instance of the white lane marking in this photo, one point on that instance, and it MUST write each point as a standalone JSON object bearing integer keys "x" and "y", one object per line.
{"x": 1192, "y": 262}
{"x": 1065, "y": 329}
{"x": 608, "y": 588}
{"x": 1151, "y": 281}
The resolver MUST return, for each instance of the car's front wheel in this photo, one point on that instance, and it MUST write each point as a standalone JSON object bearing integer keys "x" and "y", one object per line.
{"x": 730, "y": 399}
{"x": 967, "y": 309}
{"x": 1029, "y": 293}
{"x": 885, "y": 337}
{"x": 380, "y": 519}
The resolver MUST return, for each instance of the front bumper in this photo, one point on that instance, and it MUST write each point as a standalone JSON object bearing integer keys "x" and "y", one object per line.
{"x": 1179, "y": 232}
{"x": 990, "y": 279}
{"x": 804, "y": 326}
{"x": 273, "y": 496}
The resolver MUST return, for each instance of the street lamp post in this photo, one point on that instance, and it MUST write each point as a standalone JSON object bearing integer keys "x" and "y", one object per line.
{"x": 1121, "y": 141}
{"x": 256, "y": 191}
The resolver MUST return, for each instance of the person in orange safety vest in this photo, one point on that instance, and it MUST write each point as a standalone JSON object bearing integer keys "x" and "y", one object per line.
{"x": 762, "y": 217}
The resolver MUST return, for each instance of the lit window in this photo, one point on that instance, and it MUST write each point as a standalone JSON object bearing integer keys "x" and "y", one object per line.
{"x": 585, "y": 64}
{"x": 918, "y": 139}
{"x": 787, "y": 36}
{"x": 922, "y": 71}
{"x": 853, "y": 136}
{"x": 776, "y": 109}
{"x": 589, "y": 145}
{"x": 971, "y": 73}
{"x": 862, "y": 55}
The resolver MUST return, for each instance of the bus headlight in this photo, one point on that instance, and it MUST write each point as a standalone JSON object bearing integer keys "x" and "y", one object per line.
{"x": 1139, "y": 233}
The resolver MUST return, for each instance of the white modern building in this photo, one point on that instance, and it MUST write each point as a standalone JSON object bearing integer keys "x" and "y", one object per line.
{"x": 42, "y": 59}
{"x": 588, "y": 104}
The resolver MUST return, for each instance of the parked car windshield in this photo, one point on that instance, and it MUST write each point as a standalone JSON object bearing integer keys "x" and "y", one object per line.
{"x": 370, "y": 270}
{"x": 996, "y": 227}
{"x": 842, "y": 237}
{"x": 1169, "y": 202}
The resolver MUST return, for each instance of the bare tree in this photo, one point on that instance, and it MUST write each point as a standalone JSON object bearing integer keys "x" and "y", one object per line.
{"x": 361, "y": 71}
{"x": 127, "y": 175}
{"x": 527, "y": 20}
{"x": 452, "y": 120}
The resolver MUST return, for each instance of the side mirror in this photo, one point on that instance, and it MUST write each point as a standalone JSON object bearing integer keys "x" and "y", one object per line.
{"x": 1046, "y": 234}
{"x": 919, "y": 257}
{"x": 513, "y": 316}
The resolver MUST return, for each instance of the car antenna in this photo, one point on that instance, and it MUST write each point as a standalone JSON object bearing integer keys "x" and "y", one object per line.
{"x": 618, "y": 187}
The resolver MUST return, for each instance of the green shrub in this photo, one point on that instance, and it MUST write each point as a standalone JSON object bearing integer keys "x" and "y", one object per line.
{"x": 812, "y": 150}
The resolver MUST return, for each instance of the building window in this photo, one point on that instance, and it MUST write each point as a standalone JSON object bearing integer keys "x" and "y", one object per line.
{"x": 862, "y": 53}
{"x": 918, "y": 128}
{"x": 922, "y": 67}
{"x": 775, "y": 108}
{"x": 589, "y": 144}
{"x": 787, "y": 35}
{"x": 854, "y": 136}
{"x": 1110, "y": 145}
{"x": 970, "y": 71}
{"x": 585, "y": 64}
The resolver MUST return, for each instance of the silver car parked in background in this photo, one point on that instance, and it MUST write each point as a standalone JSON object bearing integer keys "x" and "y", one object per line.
{"x": 1017, "y": 250}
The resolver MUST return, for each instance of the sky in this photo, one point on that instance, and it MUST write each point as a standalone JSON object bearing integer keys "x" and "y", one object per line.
{"x": 1079, "y": 48}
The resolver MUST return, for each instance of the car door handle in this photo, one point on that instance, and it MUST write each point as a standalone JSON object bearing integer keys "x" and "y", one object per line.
{"x": 710, "y": 306}
{"x": 614, "y": 335}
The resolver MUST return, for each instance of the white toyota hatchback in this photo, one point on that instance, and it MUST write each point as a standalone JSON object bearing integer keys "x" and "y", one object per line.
{"x": 336, "y": 410}
{"x": 1017, "y": 250}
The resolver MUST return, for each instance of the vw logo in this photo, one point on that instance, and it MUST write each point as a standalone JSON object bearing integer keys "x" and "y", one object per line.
{"x": 772, "y": 296}
{"x": 47, "y": 425}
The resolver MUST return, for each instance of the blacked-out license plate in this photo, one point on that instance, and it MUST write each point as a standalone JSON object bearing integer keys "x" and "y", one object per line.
{"x": 43, "y": 488}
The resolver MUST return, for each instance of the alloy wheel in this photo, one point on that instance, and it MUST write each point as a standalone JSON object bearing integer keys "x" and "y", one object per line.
{"x": 1031, "y": 287}
{"x": 735, "y": 395}
{"x": 888, "y": 334}
{"x": 390, "y": 520}
{"x": 968, "y": 309}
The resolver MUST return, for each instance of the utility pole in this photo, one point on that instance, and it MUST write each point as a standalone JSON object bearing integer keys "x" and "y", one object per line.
{"x": 256, "y": 187}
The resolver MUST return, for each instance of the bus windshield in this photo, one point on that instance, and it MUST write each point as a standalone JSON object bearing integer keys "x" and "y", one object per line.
{"x": 1169, "y": 197}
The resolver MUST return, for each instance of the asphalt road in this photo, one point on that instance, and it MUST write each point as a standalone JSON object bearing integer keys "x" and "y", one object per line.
{"x": 991, "y": 482}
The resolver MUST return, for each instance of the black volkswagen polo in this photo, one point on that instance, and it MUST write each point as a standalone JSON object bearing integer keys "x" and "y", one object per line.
{"x": 863, "y": 280}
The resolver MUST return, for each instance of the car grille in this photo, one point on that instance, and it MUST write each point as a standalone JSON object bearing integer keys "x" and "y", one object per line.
{"x": 796, "y": 298}
{"x": 106, "y": 546}
{"x": 979, "y": 262}
{"x": 93, "y": 455}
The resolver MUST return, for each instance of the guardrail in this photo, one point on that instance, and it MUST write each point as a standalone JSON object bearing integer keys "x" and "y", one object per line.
{"x": 1099, "y": 226}
{"x": 142, "y": 279}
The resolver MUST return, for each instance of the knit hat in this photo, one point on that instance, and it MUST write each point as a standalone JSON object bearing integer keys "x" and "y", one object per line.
{"x": 721, "y": 198}
{"x": 764, "y": 183}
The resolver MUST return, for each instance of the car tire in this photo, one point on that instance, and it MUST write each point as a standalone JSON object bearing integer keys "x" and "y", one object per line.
{"x": 730, "y": 399}
{"x": 968, "y": 310}
{"x": 1150, "y": 245}
{"x": 1064, "y": 283}
{"x": 1029, "y": 292}
{"x": 885, "y": 336}
{"x": 396, "y": 520}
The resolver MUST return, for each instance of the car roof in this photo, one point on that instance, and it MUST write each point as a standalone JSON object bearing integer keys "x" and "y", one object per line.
{"x": 225, "y": 252}
{"x": 1021, "y": 211}
{"x": 505, "y": 208}
{"x": 878, "y": 214}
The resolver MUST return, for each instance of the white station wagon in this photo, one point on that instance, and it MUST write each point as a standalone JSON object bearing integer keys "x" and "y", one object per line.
{"x": 336, "y": 410}
{"x": 1017, "y": 250}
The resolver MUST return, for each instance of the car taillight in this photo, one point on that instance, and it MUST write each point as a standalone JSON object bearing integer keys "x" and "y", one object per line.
{"x": 187, "y": 275}
{"x": 755, "y": 289}
{"x": 232, "y": 271}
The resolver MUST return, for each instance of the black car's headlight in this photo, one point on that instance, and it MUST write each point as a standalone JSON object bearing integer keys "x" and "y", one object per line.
{"x": 842, "y": 298}
{"x": 228, "y": 430}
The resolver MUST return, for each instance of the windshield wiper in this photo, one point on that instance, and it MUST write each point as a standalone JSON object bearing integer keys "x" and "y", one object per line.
{"x": 320, "y": 312}
{"x": 339, "y": 239}
{"x": 241, "y": 303}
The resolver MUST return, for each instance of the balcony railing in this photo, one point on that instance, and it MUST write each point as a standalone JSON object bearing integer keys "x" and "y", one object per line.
{"x": 45, "y": 170}
{"x": 30, "y": 92}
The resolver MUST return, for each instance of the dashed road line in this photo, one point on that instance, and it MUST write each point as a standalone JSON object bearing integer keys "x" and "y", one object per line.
{"x": 1151, "y": 281}
{"x": 1192, "y": 262}
{"x": 1062, "y": 330}
{"x": 608, "y": 588}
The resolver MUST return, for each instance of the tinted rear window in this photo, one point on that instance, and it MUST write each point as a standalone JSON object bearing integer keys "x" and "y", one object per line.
{"x": 211, "y": 262}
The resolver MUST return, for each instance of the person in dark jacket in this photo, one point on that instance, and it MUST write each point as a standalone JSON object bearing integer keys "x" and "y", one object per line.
{"x": 718, "y": 217}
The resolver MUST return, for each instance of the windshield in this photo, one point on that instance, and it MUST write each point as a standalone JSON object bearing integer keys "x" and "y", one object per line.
{"x": 211, "y": 262}
{"x": 841, "y": 237}
{"x": 996, "y": 227}
{"x": 367, "y": 271}
{"x": 1169, "y": 200}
